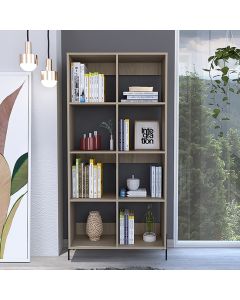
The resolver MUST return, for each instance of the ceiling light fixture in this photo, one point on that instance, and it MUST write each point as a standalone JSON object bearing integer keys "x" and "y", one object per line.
{"x": 28, "y": 60}
{"x": 48, "y": 77}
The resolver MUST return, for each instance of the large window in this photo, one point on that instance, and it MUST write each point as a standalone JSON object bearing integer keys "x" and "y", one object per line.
{"x": 209, "y": 145}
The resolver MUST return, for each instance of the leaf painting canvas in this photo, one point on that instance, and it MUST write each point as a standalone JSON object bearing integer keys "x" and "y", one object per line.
{"x": 15, "y": 141}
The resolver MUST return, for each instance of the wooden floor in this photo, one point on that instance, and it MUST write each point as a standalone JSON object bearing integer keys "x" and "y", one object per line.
{"x": 178, "y": 259}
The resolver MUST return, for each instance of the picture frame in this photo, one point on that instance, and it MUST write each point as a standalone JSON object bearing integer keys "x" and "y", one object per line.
{"x": 15, "y": 170}
{"x": 146, "y": 135}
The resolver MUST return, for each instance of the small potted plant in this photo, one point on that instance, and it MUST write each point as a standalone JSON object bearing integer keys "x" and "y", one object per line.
{"x": 224, "y": 77}
{"x": 109, "y": 127}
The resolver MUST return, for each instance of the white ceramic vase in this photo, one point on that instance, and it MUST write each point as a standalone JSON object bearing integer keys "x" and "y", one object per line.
{"x": 94, "y": 227}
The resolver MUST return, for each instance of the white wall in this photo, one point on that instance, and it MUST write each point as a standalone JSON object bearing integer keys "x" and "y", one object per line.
{"x": 46, "y": 225}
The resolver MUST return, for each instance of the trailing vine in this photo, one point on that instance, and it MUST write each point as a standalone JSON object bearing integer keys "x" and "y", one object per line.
{"x": 224, "y": 80}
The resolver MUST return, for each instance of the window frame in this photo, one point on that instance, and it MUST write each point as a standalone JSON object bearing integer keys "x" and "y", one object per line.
{"x": 176, "y": 241}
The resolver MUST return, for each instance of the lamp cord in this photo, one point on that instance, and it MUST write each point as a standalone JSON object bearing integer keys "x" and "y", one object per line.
{"x": 27, "y": 35}
{"x": 48, "y": 44}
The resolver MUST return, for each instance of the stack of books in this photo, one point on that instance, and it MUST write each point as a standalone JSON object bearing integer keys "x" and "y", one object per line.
{"x": 140, "y": 95}
{"x": 139, "y": 193}
{"x": 124, "y": 128}
{"x": 126, "y": 225}
{"x": 156, "y": 181}
{"x": 87, "y": 179}
{"x": 86, "y": 86}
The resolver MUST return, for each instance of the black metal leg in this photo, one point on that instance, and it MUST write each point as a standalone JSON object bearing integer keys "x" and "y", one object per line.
{"x": 166, "y": 254}
{"x": 69, "y": 254}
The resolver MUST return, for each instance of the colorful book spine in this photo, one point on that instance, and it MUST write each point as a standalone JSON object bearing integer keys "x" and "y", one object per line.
{"x": 95, "y": 181}
{"x": 99, "y": 180}
{"x": 77, "y": 176}
{"x": 74, "y": 182}
{"x": 121, "y": 227}
{"x": 75, "y": 81}
{"x": 126, "y": 134}
{"x": 83, "y": 71}
{"x": 91, "y": 164}
{"x": 131, "y": 228}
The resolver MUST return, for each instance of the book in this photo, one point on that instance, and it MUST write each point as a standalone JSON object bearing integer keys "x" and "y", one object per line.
{"x": 121, "y": 227}
{"x": 140, "y": 93}
{"x": 101, "y": 88}
{"x": 86, "y": 87}
{"x": 77, "y": 176}
{"x": 99, "y": 180}
{"x": 90, "y": 180}
{"x": 139, "y": 101}
{"x": 74, "y": 181}
{"x": 131, "y": 228}
{"x": 141, "y": 192}
{"x": 86, "y": 171}
{"x": 159, "y": 182}
{"x": 121, "y": 134}
{"x": 75, "y": 82}
{"x": 140, "y": 88}
{"x": 95, "y": 181}
{"x": 83, "y": 71}
{"x": 126, "y": 215}
{"x": 156, "y": 182}
{"x": 152, "y": 181}
{"x": 81, "y": 168}
{"x": 126, "y": 134}
{"x": 142, "y": 97}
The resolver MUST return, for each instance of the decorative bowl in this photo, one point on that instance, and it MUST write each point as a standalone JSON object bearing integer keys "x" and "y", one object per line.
{"x": 133, "y": 183}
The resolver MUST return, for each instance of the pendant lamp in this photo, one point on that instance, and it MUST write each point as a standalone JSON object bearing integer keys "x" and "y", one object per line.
{"x": 28, "y": 60}
{"x": 48, "y": 77}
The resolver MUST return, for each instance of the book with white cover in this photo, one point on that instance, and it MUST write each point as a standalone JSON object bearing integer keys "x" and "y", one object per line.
{"x": 141, "y": 192}
{"x": 139, "y": 101}
{"x": 126, "y": 134}
{"x": 121, "y": 227}
{"x": 91, "y": 163}
{"x": 74, "y": 181}
{"x": 90, "y": 84}
{"x": 95, "y": 181}
{"x": 157, "y": 182}
{"x": 152, "y": 181}
{"x": 144, "y": 97}
{"x": 131, "y": 228}
{"x": 99, "y": 180}
{"x": 101, "y": 87}
{"x": 77, "y": 176}
{"x": 86, "y": 87}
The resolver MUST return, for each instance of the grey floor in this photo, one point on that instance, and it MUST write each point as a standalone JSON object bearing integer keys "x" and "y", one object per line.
{"x": 178, "y": 259}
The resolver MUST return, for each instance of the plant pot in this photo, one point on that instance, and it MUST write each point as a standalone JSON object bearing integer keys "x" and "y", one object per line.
{"x": 94, "y": 227}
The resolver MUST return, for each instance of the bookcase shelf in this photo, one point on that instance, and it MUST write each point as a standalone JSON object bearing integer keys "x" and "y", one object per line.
{"x": 121, "y": 71}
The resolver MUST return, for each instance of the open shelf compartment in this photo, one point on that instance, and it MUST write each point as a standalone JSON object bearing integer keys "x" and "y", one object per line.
{"x": 79, "y": 215}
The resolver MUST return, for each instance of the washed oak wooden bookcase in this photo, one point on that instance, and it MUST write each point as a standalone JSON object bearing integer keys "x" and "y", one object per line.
{"x": 121, "y": 70}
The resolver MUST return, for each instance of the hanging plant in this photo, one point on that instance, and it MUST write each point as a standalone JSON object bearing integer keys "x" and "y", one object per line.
{"x": 223, "y": 65}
